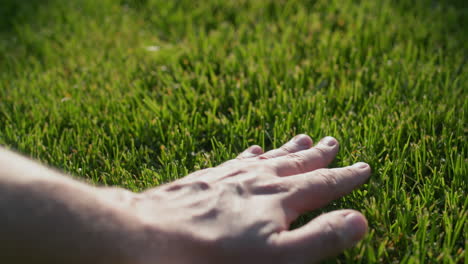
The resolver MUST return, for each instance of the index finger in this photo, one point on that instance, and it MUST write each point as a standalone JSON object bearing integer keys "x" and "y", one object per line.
{"x": 304, "y": 161}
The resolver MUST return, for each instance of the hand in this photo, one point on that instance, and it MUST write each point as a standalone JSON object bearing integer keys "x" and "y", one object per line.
{"x": 240, "y": 211}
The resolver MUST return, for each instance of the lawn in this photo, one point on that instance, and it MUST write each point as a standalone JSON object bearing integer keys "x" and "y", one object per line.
{"x": 138, "y": 93}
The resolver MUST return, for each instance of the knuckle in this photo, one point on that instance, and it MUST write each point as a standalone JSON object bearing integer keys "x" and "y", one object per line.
{"x": 265, "y": 169}
{"x": 329, "y": 179}
{"x": 351, "y": 172}
{"x": 286, "y": 148}
{"x": 298, "y": 161}
{"x": 293, "y": 188}
{"x": 276, "y": 152}
{"x": 268, "y": 170}
{"x": 321, "y": 152}
{"x": 272, "y": 187}
{"x": 332, "y": 234}
{"x": 254, "y": 166}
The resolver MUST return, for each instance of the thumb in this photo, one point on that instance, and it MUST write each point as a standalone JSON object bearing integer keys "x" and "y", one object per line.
{"x": 324, "y": 236}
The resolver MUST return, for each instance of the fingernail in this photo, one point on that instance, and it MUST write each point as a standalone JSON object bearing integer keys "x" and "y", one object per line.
{"x": 302, "y": 140}
{"x": 330, "y": 141}
{"x": 355, "y": 227}
{"x": 361, "y": 165}
{"x": 255, "y": 150}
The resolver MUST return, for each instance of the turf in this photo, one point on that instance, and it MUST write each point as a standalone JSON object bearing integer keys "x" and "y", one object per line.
{"x": 138, "y": 93}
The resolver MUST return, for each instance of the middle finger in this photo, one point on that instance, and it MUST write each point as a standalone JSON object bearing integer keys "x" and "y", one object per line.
{"x": 304, "y": 161}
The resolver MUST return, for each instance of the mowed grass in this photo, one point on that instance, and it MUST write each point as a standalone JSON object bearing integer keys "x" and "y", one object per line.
{"x": 138, "y": 93}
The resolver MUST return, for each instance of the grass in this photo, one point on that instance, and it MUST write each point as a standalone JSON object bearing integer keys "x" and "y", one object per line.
{"x": 138, "y": 93}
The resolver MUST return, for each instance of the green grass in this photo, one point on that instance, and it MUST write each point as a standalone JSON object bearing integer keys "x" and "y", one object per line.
{"x": 80, "y": 90}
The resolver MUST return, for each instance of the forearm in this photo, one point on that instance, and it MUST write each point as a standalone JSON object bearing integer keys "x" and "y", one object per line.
{"x": 48, "y": 218}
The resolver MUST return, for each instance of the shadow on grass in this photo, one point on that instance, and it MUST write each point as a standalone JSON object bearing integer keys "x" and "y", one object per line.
{"x": 14, "y": 12}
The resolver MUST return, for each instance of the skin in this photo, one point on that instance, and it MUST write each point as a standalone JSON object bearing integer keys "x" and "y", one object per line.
{"x": 237, "y": 212}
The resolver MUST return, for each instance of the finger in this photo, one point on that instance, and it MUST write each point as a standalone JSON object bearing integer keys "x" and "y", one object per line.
{"x": 307, "y": 160}
{"x": 297, "y": 143}
{"x": 316, "y": 189}
{"x": 252, "y": 151}
{"x": 324, "y": 236}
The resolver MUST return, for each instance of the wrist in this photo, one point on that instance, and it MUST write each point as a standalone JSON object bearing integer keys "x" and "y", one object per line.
{"x": 140, "y": 240}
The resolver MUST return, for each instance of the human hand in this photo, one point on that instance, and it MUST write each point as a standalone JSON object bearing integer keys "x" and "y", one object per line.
{"x": 241, "y": 210}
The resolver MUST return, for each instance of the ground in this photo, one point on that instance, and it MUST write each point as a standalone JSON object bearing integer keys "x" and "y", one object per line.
{"x": 138, "y": 93}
